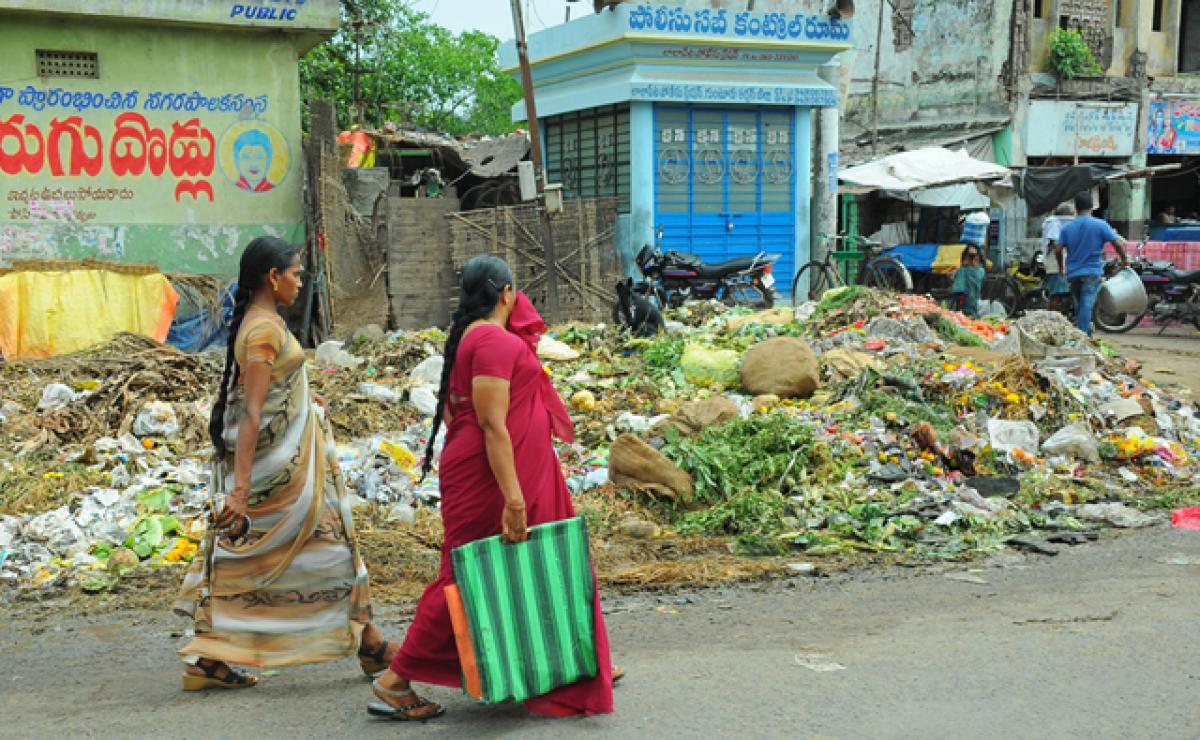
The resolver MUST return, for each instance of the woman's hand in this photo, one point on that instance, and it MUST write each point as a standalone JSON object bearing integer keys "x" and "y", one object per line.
{"x": 234, "y": 512}
{"x": 318, "y": 400}
{"x": 512, "y": 524}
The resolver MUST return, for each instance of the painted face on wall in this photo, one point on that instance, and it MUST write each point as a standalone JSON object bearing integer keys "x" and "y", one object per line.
{"x": 252, "y": 157}
{"x": 252, "y": 164}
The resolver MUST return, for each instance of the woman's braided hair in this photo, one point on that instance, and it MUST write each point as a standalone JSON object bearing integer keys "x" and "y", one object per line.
{"x": 260, "y": 257}
{"x": 483, "y": 280}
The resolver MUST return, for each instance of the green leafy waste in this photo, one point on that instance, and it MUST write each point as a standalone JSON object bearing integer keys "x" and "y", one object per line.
{"x": 762, "y": 453}
{"x": 150, "y": 534}
{"x": 952, "y": 333}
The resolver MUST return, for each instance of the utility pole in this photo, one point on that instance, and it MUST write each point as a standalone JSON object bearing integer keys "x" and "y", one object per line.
{"x": 360, "y": 114}
{"x": 535, "y": 143}
{"x": 875, "y": 83}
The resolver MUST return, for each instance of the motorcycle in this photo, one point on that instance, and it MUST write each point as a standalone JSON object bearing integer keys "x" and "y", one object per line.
{"x": 1173, "y": 296}
{"x": 675, "y": 277}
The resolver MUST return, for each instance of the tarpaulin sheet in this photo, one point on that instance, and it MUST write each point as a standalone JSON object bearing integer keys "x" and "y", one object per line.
{"x": 922, "y": 168}
{"x": 43, "y": 314}
{"x": 916, "y": 257}
{"x": 1043, "y": 188}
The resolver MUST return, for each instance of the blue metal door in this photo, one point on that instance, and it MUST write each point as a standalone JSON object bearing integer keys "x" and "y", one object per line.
{"x": 725, "y": 184}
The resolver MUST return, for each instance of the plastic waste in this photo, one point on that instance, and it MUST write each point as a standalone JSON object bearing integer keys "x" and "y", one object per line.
{"x": 629, "y": 422}
{"x": 58, "y": 530}
{"x": 331, "y": 355}
{"x": 402, "y": 512}
{"x": 1186, "y": 518}
{"x": 156, "y": 419}
{"x": 380, "y": 393}
{"x": 428, "y": 372}
{"x": 399, "y": 454}
{"x": 56, "y": 396}
{"x": 1006, "y": 436}
{"x": 1074, "y": 440}
{"x": 555, "y": 351}
{"x": 424, "y": 398}
{"x": 1116, "y": 514}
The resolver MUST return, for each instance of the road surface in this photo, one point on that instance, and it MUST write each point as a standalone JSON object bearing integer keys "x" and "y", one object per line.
{"x": 1100, "y": 641}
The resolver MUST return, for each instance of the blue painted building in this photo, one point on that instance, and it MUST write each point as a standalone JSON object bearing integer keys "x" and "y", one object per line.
{"x": 698, "y": 120}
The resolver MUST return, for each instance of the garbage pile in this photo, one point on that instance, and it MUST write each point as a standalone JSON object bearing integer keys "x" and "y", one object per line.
{"x": 868, "y": 423}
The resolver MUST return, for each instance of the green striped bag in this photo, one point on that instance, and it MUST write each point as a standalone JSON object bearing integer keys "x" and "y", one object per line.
{"x": 529, "y": 612}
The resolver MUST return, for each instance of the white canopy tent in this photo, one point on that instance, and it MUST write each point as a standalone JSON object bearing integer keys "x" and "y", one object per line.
{"x": 932, "y": 176}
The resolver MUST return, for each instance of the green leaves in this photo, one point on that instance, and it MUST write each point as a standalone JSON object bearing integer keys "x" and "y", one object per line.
{"x": 1069, "y": 55}
{"x": 412, "y": 71}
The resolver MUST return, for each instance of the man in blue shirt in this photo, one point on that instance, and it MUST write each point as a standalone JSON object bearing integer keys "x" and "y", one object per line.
{"x": 1084, "y": 240}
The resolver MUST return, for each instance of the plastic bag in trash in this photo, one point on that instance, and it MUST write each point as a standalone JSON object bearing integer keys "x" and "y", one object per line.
{"x": 331, "y": 354}
{"x": 55, "y": 396}
{"x": 429, "y": 372}
{"x": 380, "y": 393}
{"x": 57, "y": 529}
{"x": 425, "y": 399}
{"x": 156, "y": 419}
{"x": 1006, "y": 436}
{"x": 1074, "y": 440}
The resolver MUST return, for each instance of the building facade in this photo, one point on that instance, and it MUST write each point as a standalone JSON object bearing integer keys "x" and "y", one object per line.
{"x": 698, "y": 119}
{"x": 152, "y": 131}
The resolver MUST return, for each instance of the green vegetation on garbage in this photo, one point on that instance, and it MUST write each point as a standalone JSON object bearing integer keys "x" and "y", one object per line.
{"x": 952, "y": 333}
{"x": 762, "y": 453}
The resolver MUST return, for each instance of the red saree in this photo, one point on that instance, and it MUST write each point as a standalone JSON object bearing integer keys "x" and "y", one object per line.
{"x": 472, "y": 502}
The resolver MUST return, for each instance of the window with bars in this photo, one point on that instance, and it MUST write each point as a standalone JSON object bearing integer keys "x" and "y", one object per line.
{"x": 588, "y": 152}
{"x": 84, "y": 64}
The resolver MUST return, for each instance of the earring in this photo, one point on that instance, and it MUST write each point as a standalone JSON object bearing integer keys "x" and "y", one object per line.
{"x": 275, "y": 285}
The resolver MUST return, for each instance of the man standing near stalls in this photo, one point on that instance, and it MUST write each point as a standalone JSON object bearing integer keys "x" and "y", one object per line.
{"x": 1054, "y": 257}
{"x": 1085, "y": 239}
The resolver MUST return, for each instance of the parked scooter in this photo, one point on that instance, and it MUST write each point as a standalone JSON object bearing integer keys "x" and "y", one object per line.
{"x": 1173, "y": 296}
{"x": 676, "y": 277}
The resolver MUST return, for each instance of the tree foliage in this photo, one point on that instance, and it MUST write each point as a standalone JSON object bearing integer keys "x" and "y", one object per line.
{"x": 413, "y": 71}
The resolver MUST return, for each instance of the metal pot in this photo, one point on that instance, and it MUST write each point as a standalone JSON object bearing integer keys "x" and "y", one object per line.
{"x": 1122, "y": 293}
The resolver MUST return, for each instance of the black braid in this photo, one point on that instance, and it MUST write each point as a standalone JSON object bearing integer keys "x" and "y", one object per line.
{"x": 483, "y": 279}
{"x": 260, "y": 257}
{"x": 216, "y": 421}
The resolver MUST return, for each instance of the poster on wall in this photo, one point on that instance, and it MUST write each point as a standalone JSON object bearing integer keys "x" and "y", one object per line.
{"x": 1174, "y": 127}
{"x": 132, "y": 158}
{"x": 120, "y": 173}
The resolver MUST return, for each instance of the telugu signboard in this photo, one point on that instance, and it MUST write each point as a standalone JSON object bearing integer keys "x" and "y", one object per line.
{"x": 1068, "y": 128}
{"x": 1173, "y": 127}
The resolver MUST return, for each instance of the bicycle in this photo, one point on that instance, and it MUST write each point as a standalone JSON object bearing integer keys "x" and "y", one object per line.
{"x": 875, "y": 270}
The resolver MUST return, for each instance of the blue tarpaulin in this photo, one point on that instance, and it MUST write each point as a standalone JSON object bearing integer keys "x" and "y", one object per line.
{"x": 916, "y": 257}
{"x": 201, "y": 330}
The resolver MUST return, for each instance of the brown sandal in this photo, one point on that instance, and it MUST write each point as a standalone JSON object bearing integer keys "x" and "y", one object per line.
{"x": 233, "y": 678}
{"x": 402, "y": 713}
{"x": 376, "y": 661}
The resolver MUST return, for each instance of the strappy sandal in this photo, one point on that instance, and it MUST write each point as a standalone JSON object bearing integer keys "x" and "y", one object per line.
{"x": 403, "y": 713}
{"x": 233, "y": 678}
{"x": 375, "y": 661}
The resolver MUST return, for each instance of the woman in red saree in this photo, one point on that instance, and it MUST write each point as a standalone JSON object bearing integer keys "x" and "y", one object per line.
{"x": 498, "y": 474}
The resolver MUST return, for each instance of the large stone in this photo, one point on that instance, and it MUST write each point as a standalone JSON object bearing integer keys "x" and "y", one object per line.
{"x": 696, "y": 416}
{"x": 784, "y": 366}
{"x": 632, "y": 463}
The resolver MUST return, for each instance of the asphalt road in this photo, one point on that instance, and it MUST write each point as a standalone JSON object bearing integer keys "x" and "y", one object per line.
{"x": 1100, "y": 641}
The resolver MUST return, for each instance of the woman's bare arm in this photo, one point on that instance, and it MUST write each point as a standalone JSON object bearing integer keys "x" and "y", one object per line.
{"x": 489, "y": 396}
{"x": 256, "y": 383}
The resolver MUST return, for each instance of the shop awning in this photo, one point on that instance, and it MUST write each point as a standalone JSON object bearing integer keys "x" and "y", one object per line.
{"x": 931, "y": 167}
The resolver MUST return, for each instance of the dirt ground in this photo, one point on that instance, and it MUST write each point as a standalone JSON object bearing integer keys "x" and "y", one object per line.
{"x": 1172, "y": 358}
{"x": 1096, "y": 642}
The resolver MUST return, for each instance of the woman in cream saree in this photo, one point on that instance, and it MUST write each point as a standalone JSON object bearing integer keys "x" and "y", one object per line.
{"x": 280, "y": 580}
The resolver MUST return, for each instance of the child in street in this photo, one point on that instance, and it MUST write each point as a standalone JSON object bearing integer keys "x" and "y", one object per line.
{"x": 968, "y": 281}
